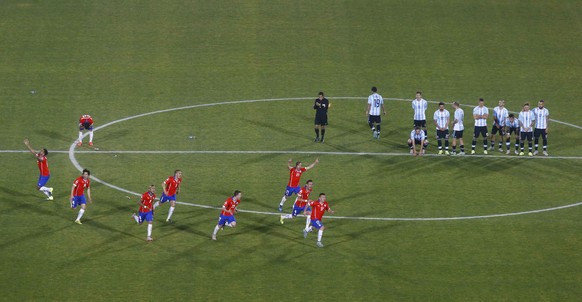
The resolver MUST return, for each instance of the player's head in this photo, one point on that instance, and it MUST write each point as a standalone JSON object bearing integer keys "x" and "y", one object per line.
{"x": 455, "y": 105}
{"x": 298, "y": 165}
{"x": 511, "y": 116}
{"x": 237, "y": 194}
{"x": 501, "y": 103}
{"x": 419, "y": 94}
{"x": 178, "y": 173}
{"x": 417, "y": 129}
{"x": 441, "y": 106}
{"x": 320, "y": 94}
{"x": 481, "y": 102}
{"x": 321, "y": 197}
{"x": 86, "y": 173}
{"x": 374, "y": 89}
{"x": 152, "y": 188}
{"x": 43, "y": 152}
{"x": 541, "y": 104}
{"x": 526, "y": 106}
{"x": 309, "y": 184}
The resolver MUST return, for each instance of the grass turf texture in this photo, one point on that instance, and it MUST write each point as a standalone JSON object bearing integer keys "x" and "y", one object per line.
{"x": 115, "y": 60}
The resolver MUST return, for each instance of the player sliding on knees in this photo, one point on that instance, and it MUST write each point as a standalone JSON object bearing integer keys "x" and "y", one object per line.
{"x": 300, "y": 204}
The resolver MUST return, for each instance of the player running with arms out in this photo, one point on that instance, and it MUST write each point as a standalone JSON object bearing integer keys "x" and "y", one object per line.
{"x": 318, "y": 208}
{"x": 146, "y": 210}
{"x": 300, "y": 204}
{"x": 321, "y": 105}
{"x": 171, "y": 187}
{"x": 227, "y": 214}
{"x": 295, "y": 173}
{"x": 85, "y": 123}
{"x": 373, "y": 111}
{"x": 78, "y": 194}
{"x": 45, "y": 174}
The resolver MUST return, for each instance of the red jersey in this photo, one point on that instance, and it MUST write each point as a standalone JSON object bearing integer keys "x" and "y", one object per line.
{"x": 172, "y": 184}
{"x": 302, "y": 197}
{"x": 147, "y": 200}
{"x": 42, "y": 165}
{"x": 318, "y": 208}
{"x": 295, "y": 176}
{"x": 229, "y": 205}
{"x": 86, "y": 119}
{"x": 80, "y": 185}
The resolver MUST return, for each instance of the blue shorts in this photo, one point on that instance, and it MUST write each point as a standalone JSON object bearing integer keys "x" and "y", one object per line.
{"x": 78, "y": 200}
{"x": 316, "y": 223}
{"x": 297, "y": 210}
{"x": 224, "y": 219}
{"x": 165, "y": 198}
{"x": 42, "y": 180}
{"x": 86, "y": 126}
{"x": 147, "y": 216}
{"x": 292, "y": 190}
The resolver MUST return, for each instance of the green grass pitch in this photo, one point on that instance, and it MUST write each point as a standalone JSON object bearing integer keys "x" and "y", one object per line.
{"x": 120, "y": 59}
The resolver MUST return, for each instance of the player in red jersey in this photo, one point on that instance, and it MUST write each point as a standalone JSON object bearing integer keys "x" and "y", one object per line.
{"x": 171, "y": 187}
{"x": 300, "y": 204}
{"x": 146, "y": 210}
{"x": 227, "y": 214}
{"x": 294, "y": 178}
{"x": 45, "y": 174}
{"x": 318, "y": 208}
{"x": 78, "y": 193}
{"x": 85, "y": 123}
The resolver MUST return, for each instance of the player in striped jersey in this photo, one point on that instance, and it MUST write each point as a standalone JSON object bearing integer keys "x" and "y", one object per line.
{"x": 373, "y": 111}
{"x": 458, "y": 129}
{"x": 542, "y": 124}
{"x": 512, "y": 126}
{"x": 442, "y": 118}
{"x": 419, "y": 105}
{"x": 480, "y": 114}
{"x": 500, "y": 115}
{"x": 527, "y": 120}
{"x": 417, "y": 138}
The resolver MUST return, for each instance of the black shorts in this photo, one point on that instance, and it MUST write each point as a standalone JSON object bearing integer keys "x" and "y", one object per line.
{"x": 443, "y": 134}
{"x": 420, "y": 123}
{"x": 321, "y": 120}
{"x": 538, "y": 132}
{"x": 458, "y": 133}
{"x": 526, "y": 135}
{"x": 480, "y": 130}
{"x": 496, "y": 129}
{"x": 513, "y": 130}
{"x": 374, "y": 119}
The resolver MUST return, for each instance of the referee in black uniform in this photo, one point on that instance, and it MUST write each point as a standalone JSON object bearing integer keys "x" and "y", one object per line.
{"x": 321, "y": 105}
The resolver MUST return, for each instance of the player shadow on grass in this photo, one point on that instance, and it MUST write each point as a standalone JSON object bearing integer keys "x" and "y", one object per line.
{"x": 343, "y": 237}
{"x": 32, "y": 236}
{"x": 54, "y": 135}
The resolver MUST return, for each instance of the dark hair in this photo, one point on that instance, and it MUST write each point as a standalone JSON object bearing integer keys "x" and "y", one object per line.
{"x": 541, "y": 101}
{"x": 321, "y": 93}
{"x": 308, "y": 181}
{"x": 511, "y": 115}
{"x": 441, "y": 103}
{"x": 419, "y": 92}
{"x": 297, "y": 163}
{"x": 481, "y": 100}
{"x": 236, "y": 192}
{"x": 176, "y": 171}
{"x": 416, "y": 128}
{"x": 45, "y": 151}
{"x": 456, "y": 103}
{"x": 86, "y": 170}
{"x": 526, "y": 104}
{"x": 320, "y": 194}
{"x": 374, "y": 89}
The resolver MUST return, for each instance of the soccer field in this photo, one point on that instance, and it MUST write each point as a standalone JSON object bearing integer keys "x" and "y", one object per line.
{"x": 223, "y": 90}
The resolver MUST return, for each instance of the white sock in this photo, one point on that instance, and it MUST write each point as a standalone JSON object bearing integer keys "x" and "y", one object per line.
{"x": 136, "y": 217}
{"x": 91, "y": 136}
{"x": 150, "y": 229}
{"x": 170, "y": 212}
{"x": 80, "y": 135}
{"x": 46, "y": 191}
{"x": 287, "y": 216}
{"x": 283, "y": 200}
{"x": 319, "y": 234}
{"x": 307, "y": 222}
{"x": 309, "y": 229}
{"x": 81, "y": 212}
{"x": 157, "y": 204}
{"x": 216, "y": 228}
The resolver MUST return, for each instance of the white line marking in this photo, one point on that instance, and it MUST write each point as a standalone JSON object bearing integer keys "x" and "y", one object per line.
{"x": 78, "y": 166}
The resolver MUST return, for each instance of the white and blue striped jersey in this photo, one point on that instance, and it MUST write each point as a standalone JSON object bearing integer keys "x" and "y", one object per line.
{"x": 375, "y": 101}
{"x": 442, "y": 118}
{"x": 419, "y": 109}
{"x": 541, "y": 117}
{"x": 501, "y": 115}
{"x": 526, "y": 118}
{"x": 459, "y": 116}
{"x": 480, "y": 122}
{"x": 420, "y": 136}
{"x": 514, "y": 124}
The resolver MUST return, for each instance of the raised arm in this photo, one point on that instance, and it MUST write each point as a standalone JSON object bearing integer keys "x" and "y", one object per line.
{"x": 313, "y": 164}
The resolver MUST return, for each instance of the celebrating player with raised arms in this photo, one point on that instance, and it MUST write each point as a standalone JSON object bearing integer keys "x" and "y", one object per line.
{"x": 295, "y": 173}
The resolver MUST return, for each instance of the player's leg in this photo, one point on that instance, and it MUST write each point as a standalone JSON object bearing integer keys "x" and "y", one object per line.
{"x": 316, "y": 131}
{"x": 440, "y": 141}
{"x": 149, "y": 217}
{"x": 307, "y": 217}
{"x": 521, "y": 142}
{"x": 81, "y": 200}
{"x": 288, "y": 192}
{"x": 91, "y": 137}
{"x": 322, "y": 132}
{"x": 150, "y": 227}
{"x": 80, "y": 139}
{"x": 42, "y": 181}
{"x": 219, "y": 225}
{"x": 446, "y": 138}
{"x": 171, "y": 209}
{"x": 475, "y": 136}
{"x": 530, "y": 143}
{"x": 545, "y": 142}
{"x": 485, "y": 135}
